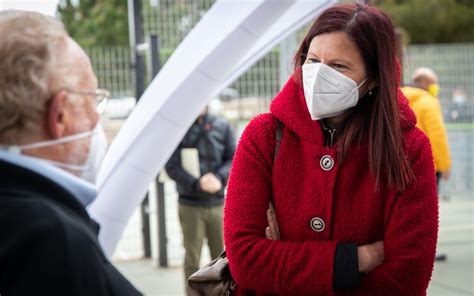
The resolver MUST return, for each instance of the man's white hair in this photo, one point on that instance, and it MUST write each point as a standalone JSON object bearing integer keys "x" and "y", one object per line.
{"x": 424, "y": 73}
{"x": 30, "y": 53}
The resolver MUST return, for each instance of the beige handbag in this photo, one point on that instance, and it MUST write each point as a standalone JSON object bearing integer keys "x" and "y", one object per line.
{"x": 213, "y": 278}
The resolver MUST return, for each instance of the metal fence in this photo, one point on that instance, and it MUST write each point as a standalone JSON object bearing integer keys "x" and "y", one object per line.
{"x": 112, "y": 66}
{"x": 253, "y": 91}
{"x": 172, "y": 19}
{"x": 454, "y": 64}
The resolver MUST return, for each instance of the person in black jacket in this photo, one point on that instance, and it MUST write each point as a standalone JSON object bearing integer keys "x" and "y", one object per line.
{"x": 201, "y": 191}
{"x": 51, "y": 142}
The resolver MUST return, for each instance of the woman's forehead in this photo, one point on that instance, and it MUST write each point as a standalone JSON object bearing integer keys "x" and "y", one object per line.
{"x": 334, "y": 46}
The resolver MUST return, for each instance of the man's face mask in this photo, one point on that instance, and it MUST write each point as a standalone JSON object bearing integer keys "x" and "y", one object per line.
{"x": 328, "y": 93}
{"x": 97, "y": 149}
{"x": 433, "y": 89}
{"x": 459, "y": 99}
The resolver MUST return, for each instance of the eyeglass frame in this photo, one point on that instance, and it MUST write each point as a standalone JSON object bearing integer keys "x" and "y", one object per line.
{"x": 101, "y": 95}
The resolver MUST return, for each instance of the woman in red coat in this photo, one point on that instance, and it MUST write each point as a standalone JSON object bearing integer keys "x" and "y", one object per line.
{"x": 353, "y": 183}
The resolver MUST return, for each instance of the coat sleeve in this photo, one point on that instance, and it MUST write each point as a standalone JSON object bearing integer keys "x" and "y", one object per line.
{"x": 179, "y": 175}
{"x": 224, "y": 169}
{"x": 410, "y": 232}
{"x": 432, "y": 121}
{"x": 255, "y": 262}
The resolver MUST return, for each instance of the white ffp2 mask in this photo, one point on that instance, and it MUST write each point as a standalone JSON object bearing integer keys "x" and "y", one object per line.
{"x": 327, "y": 92}
{"x": 97, "y": 149}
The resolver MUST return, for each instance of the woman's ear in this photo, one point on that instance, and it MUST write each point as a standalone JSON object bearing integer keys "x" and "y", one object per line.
{"x": 56, "y": 125}
{"x": 373, "y": 84}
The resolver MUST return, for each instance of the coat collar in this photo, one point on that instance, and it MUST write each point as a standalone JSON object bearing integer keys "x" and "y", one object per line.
{"x": 82, "y": 190}
{"x": 18, "y": 179}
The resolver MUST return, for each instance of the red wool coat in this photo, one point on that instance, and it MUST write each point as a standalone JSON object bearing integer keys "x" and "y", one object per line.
{"x": 343, "y": 197}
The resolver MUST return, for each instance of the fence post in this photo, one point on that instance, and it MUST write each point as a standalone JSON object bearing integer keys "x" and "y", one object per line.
{"x": 162, "y": 237}
{"x": 155, "y": 54}
{"x": 138, "y": 65}
{"x": 160, "y": 190}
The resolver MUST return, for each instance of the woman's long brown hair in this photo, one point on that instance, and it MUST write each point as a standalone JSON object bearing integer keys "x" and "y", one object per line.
{"x": 376, "y": 117}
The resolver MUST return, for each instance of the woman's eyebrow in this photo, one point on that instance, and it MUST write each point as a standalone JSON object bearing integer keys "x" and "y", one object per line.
{"x": 331, "y": 61}
{"x": 341, "y": 61}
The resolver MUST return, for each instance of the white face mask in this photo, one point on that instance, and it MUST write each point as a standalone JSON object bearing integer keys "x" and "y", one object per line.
{"x": 328, "y": 93}
{"x": 459, "y": 99}
{"x": 97, "y": 149}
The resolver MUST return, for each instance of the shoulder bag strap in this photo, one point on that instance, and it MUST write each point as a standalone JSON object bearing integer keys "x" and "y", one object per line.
{"x": 278, "y": 136}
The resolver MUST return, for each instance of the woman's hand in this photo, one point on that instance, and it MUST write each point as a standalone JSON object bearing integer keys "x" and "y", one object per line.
{"x": 272, "y": 232}
{"x": 370, "y": 256}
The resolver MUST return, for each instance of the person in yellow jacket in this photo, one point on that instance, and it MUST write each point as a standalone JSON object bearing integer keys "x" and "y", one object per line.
{"x": 422, "y": 97}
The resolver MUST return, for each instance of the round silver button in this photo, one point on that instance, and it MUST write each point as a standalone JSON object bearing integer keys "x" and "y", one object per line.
{"x": 327, "y": 162}
{"x": 317, "y": 224}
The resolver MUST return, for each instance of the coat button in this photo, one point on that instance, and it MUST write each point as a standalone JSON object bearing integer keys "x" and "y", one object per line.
{"x": 327, "y": 162}
{"x": 317, "y": 224}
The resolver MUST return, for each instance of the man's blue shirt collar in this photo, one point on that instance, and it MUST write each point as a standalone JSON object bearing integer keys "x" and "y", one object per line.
{"x": 82, "y": 190}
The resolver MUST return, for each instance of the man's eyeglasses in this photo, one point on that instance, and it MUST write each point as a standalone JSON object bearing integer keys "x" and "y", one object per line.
{"x": 101, "y": 97}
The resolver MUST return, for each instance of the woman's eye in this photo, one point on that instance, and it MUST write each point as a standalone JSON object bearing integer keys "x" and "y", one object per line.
{"x": 339, "y": 66}
{"x": 313, "y": 60}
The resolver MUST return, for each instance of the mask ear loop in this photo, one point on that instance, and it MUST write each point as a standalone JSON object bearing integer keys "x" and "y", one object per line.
{"x": 362, "y": 83}
{"x": 19, "y": 148}
{"x": 357, "y": 88}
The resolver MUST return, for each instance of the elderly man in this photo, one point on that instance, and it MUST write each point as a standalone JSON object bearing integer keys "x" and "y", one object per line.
{"x": 423, "y": 99}
{"x": 51, "y": 142}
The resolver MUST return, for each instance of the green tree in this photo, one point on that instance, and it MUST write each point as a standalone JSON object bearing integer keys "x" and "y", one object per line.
{"x": 94, "y": 23}
{"x": 432, "y": 21}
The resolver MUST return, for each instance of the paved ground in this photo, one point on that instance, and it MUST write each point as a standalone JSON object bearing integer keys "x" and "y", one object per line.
{"x": 453, "y": 277}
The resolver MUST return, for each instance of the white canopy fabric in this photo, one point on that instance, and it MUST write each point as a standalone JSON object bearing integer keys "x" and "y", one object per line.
{"x": 229, "y": 39}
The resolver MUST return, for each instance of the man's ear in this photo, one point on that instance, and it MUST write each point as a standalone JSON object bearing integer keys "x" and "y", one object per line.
{"x": 56, "y": 124}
